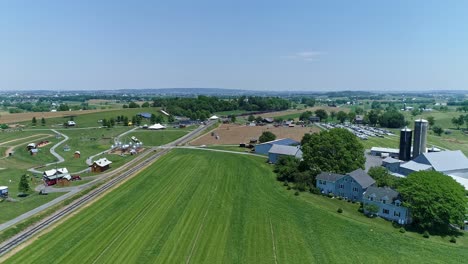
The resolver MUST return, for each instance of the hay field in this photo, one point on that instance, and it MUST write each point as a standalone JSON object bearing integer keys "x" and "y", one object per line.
{"x": 21, "y": 117}
{"x": 235, "y": 134}
{"x": 202, "y": 207}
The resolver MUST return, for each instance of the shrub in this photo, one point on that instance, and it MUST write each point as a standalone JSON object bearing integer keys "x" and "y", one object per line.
{"x": 330, "y": 195}
{"x": 314, "y": 190}
{"x": 340, "y": 198}
{"x": 339, "y": 210}
{"x": 453, "y": 240}
{"x": 426, "y": 234}
{"x": 361, "y": 210}
{"x": 402, "y": 230}
{"x": 286, "y": 183}
{"x": 289, "y": 187}
{"x": 296, "y": 193}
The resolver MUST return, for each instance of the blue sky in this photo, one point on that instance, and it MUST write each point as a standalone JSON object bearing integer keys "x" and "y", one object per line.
{"x": 258, "y": 45}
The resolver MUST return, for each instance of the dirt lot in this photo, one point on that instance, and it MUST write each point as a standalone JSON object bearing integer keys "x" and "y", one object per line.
{"x": 235, "y": 134}
{"x": 19, "y": 117}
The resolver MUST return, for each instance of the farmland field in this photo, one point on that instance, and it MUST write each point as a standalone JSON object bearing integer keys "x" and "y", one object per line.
{"x": 235, "y": 134}
{"x": 201, "y": 207}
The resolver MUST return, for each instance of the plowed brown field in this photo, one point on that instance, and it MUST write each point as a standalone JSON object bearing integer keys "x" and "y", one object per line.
{"x": 235, "y": 134}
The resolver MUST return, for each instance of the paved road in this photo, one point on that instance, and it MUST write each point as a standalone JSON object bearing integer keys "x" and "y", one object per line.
{"x": 225, "y": 151}
{"x": 52, "y": 151}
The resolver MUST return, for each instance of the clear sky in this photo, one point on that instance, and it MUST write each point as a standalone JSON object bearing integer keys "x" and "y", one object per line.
{"x": 258, "y": 45}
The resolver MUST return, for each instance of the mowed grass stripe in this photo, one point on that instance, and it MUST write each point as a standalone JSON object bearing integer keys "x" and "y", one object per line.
{"x": 233, "y": 203}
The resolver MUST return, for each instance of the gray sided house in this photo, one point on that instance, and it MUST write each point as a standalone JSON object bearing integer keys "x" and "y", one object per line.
{"x": 350, "y": 186}
{"x": 263, "y": 148}
{"x": 389, "y": 203}
{"x": 277, "y": 151}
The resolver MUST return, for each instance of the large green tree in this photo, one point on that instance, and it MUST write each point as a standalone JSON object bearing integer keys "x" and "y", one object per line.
{"x": 267, "y": 136}
{"x": 341, "y": 116}
{"x": 383, "y": 178}
{"x": 23, "y": 186}
{"x": 336, "y": 150}
{"x": 392, "y": 119}
{"x": 322, "y": 114}
{"x": 435, "y": 200}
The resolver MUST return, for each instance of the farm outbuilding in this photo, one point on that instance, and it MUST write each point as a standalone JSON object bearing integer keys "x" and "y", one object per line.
{"x": 100, "y": 165}
{"x": 145, "y": 115}
{"x": 31, "y": 146}
{"x": 156, "y": 127}
{"x": 277, "y": 151}
{"x": 3, "y": 191}
{"x": 263, "y": 148}
{"x": 71, "y": 123}
{"x": 52, "y": 176}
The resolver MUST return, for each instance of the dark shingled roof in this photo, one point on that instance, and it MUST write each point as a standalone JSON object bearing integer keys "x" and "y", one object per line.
{"x": 380, "y": 193}
{"x": 362, "y": 178}
{"x": 328, "y": 176}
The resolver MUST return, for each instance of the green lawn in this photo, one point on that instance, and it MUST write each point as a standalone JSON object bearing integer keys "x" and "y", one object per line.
{"x": 202, "y": 207}
{"x": 11, "y": 210}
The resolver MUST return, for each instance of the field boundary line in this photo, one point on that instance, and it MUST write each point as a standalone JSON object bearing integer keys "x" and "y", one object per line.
{"x": 273, "y": 242}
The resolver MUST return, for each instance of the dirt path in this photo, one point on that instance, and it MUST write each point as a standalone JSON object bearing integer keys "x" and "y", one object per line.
{"x": 18, "y": 139}
{"x": 10, "y": 148}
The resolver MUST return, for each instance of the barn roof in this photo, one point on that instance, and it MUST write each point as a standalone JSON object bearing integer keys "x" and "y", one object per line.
{"x": 285, "y": 150}
{"x": 102, "y": 162}
{"x": 51, "y": 172}
{"x": 145, "y": 115}
{"x": 282, "y": 141}
{"x": 445, "y": 160}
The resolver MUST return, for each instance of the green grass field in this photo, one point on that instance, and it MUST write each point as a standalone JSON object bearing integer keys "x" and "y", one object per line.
{"x": 201, "y": 207}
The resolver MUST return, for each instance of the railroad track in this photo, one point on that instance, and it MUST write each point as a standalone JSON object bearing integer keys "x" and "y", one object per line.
{"x": 26, "y": 234}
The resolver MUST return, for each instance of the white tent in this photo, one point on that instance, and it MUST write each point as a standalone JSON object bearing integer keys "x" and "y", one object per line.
{"x": 156, "y": 127}
{"x": 214, "y": 117}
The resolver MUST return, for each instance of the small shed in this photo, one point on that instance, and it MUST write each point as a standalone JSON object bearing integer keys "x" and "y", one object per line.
{"x": 100, "y": 165}
{"x": 156, "y": 126}
{"x": 33, "y": 152}
{"x": 66, "y": 148}
{"x": 31, "y": 146}
{"x": 71, "y": 123}
{"x": 3, "y": 191}
{"x": 77, "y": 154}
{"x": 145, "y": 115}
{"x": 359, "y": 119}
{"x": 214, "y": 117}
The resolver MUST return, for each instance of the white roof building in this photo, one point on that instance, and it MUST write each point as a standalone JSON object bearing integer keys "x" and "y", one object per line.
{"x": 213, "y": 117}
{"x": 102, "y": 162}
{"x": 156, "y": 127}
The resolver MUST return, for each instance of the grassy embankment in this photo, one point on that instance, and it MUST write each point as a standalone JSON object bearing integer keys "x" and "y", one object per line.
{"x": 208, "y": 207}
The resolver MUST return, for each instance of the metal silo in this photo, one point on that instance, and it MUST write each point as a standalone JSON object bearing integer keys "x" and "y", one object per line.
{"x": 420, "y": 137}
{"x": 405, "y": 144}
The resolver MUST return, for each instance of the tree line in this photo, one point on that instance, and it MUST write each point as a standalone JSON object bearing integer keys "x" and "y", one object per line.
{"x": 202, "y": 107}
